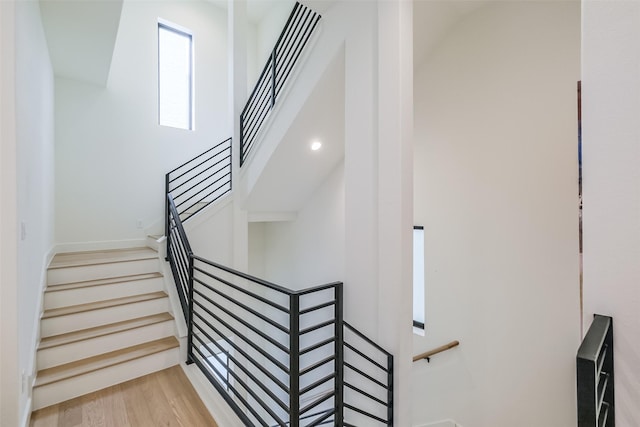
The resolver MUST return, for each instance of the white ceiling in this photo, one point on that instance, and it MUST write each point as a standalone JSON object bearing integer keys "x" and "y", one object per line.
{"x": 81, "y": 36}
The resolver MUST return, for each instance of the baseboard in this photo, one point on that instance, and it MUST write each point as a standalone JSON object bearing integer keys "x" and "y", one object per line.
{"x": 100, "y": 245}
{"x": 25, "y": 418}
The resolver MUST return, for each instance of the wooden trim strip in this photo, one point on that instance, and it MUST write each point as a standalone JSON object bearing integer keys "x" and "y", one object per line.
{"x": 427, "y": 355}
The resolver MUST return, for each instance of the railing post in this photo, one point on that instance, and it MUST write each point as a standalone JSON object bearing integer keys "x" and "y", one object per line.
{"x": 190, "y": 359}
{"x": 166, "y": 214}
{"x": 390, "y": 402}
{"x": 339, "y": 356}
{"x": 294, "y": 360}
{"x": 273, "y": 77}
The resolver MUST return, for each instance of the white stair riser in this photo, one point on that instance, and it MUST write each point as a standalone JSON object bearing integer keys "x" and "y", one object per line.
{"x": 56, "y": 276}
{"x": 67, "y": 353}
{"x": 64, "y": 298}
{"x": 60, "y": 391}
{"x": 89, "y": 319}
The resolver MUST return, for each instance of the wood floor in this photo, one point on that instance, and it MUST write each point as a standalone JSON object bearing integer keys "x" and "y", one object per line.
{"x": 164, "y": 398}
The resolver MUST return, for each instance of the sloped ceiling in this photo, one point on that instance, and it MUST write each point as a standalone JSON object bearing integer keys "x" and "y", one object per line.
{"x": 81, "y": 35}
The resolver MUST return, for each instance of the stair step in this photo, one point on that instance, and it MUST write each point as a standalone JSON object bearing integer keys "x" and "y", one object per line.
{"x": 84, "y": 366}
{"x": 76, "y": 293}
{"x": 76, "y": 259}
{"x": 80, "y": 308}
{"x": 98, "y": 331}
{"x": 75, "y": 267}
{"x": 92, "y": 341}
{"x": 100, "y": 282}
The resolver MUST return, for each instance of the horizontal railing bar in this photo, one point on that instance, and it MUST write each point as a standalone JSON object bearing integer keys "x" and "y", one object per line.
{"x": 294, "y": 31}
{"x": 174, "y": 179}
{"x": 244, "y": 307}
{"x": 253, "y": 126}
{"x": 238, "y": 319}
{"x": 364, "y": 393}
{"x": 181, "y": 270}
{"x": 200, "y": 155}
{"x": 186, "y": 181}
{"x": 260, "y": 350}
{"x": 200, "y": 191}
{"x": 243, "y": 353}
{"x": 321, "y": 420}
{"x": 261, "y": 78}
{"x": 317, "y": 402}
{"x": 367, "y": 376}
{"x": 289, "y": 69}
{"x": 361, "y": 335}
{"x": 241, "y": 289}
{"x": 294, "y": 12}
{"x": 256, "y": 107}
{"x": 317, "y": 307}
{"x": 223, "y": 392}
{"x": 247, "y": 372}
{"x": 246, "y": 276}
{"x": 363, "y": 412}
{"x": 428, "y": 354}
{"x": 317, "y": 383}
{"x": 236, "y": 394}
{"x": 364, "y": 356}
{"x": 316, "y": 365}
{"x": 318, "y": 288}
{"x": 316, "y": 327}
{"x": 186, "y": 211}
{"x": 317, "y": 346}
{"x": 299, "y": 41}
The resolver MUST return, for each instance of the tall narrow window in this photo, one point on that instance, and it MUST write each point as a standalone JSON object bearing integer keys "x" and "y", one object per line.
{"x": 418, "y": 277}
{"x": 175, "y": 77}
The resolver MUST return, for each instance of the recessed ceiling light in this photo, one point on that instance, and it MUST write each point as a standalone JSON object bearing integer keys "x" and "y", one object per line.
{"x": 316, "y": 145}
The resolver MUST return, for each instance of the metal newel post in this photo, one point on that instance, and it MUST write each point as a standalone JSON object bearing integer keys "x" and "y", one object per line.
{"x": 294, "y": 360}
{"x": 190, "y": 359}
{"x": 339, "y": 355}
{"x": 166, "y": 214}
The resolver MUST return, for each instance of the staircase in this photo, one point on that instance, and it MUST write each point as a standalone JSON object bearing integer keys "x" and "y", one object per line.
{"x": 106, "y": 320}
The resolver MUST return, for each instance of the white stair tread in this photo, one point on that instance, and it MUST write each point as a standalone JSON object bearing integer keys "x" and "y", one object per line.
{"x": 80, "y": 367}
{"x": 109, "y": 281}
{"x": 62, "y": 311}
{"x": 75, "y": 259}
{"x": 98, "y": 331}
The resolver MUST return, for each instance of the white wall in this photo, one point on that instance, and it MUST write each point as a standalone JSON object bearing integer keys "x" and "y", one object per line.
{"x": 111, "y": 154}
{"x": 9, "y": 376}
{"x": 611, "y": 193}
{"x": 310, "y": 250}
{"x": 496, "y": 190}
{"x": 35, "y": 178}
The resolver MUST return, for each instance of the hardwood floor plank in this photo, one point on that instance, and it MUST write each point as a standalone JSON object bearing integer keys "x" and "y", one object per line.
{"x": 162, "y": 399}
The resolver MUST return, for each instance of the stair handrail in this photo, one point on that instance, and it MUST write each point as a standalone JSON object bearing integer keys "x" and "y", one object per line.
{"x": 428, "y": 354}
{"x": 300, "y": 24}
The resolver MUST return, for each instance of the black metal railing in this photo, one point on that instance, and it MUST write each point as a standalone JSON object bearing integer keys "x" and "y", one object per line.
{"x": 199, "y": 182}
{"x": 368, "y": 382}
{"x": 294, "y": 37}
{"x": 595, "y": 375}
{"x": 277, "y": 356}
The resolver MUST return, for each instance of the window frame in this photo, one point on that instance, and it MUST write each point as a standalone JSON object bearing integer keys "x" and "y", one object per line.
{"x": 163, "y": 24}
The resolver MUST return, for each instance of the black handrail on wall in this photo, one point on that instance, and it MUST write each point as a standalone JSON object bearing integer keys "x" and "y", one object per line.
{"x": 277, "y": 356}
{"x": 595, "y": 375}
{"x": 300, "y": 25}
